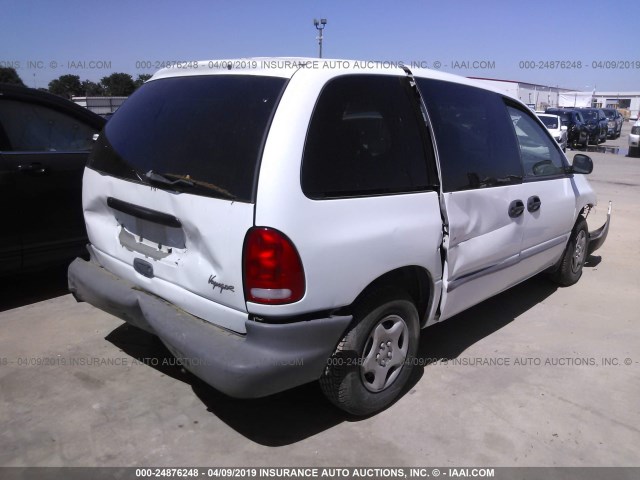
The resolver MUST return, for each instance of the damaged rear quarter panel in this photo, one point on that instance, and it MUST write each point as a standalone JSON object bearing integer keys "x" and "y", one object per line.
{"x": 208, "y": 244}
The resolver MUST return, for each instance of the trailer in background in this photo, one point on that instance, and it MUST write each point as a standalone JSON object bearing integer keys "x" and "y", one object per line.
{"x": 575, "y": 99}
{"x": 103, "y": 106}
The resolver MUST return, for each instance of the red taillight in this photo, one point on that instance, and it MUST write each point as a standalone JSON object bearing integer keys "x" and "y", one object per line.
{"x": 273, "y": 272}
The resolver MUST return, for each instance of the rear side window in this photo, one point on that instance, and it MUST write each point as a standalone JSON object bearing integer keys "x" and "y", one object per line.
{"x": 207, "y": 131}
{"x": 476, "y": 144}
{"x": 29, "y": 127}
{"x": 364, "y": 139}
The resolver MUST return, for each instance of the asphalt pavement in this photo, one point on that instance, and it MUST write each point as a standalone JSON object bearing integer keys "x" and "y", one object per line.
{"x": 537, "y": 376}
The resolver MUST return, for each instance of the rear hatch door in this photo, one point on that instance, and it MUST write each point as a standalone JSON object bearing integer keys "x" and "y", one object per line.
{"x": 169, "y": 190}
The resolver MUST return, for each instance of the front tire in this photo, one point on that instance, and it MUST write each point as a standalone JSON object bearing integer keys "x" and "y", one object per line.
{"x": 374, "y": 360}
{"x": 570, "y": 268}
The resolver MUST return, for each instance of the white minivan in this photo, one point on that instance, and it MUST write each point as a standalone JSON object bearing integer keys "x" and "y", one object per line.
{"x": 634, "y": 139}
{"x": 280, "y": 221}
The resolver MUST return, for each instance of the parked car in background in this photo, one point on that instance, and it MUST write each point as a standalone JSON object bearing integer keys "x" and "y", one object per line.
{"x": 614, "y": 122}
{"x": 597, "y": 124}
{"x": 556, "y": 129}
{"x": 280, "y": 226}
{"x": 44, "y": 145}
{"x": 634, "y": 140}
{"x": 577, "y": 134}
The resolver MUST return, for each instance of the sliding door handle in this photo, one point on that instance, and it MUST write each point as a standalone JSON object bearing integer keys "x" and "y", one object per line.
{"x": 516, "y": 208}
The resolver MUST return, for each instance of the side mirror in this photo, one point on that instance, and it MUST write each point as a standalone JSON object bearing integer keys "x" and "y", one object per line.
{"x": 582, "y": 164}
{"x": 563, "y": 128}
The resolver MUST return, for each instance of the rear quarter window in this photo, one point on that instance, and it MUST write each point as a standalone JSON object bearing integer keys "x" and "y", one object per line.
{"x": 364, "y": 139}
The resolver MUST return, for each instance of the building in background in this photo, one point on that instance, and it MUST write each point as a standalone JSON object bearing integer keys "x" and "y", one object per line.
{"x": 540, "y": 97}
{"x": 103, "y": 106}
{"x": 623, "y": 101}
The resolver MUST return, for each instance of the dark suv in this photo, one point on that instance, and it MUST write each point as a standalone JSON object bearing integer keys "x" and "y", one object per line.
{"x": 615, "y": 121}
{"x": 577, "y": 134}
{"x": 44, "y": 145}
{"x": 597, "y": 124}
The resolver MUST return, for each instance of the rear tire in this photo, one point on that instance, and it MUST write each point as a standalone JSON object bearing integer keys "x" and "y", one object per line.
{"x": 570, "y": 269}
{"x": 374, "y": 360}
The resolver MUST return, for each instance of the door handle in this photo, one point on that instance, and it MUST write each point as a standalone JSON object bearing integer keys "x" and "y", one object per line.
{"x": 35, "y": 168}
{"x": 516, "y": 208}
{"x": 533, "y": 203}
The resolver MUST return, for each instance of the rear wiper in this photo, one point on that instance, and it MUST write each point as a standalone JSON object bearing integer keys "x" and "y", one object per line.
{"x": 205, "y": 185}
{"x": 156, "y": 177}
{"x": 165, "y": 179}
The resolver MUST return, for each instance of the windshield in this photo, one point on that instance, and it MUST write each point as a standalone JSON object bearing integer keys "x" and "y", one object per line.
{"x": 565, "y": 118}
{"x": 201, "y": 134}
{"x": 590, "y": 114}
{"x": 550, "y": 122}
{"x": 610, "y": 113}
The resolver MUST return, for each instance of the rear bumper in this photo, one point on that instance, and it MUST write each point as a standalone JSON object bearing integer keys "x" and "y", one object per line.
{"x": 597, "y": 237}
{"x": 267, "y": 359}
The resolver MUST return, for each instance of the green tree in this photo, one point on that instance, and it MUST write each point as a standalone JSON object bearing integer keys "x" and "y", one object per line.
{"x": 143, "y": 77}
{"x": 92, "y": 89}
{"x": 66, "y": 86}
{"x": 118, "y": 85}
{"x": 9, "y": 75}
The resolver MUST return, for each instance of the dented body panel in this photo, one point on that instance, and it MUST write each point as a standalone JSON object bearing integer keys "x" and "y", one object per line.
{"x": 190, "y": 263}
{"x": 174, "y": 261}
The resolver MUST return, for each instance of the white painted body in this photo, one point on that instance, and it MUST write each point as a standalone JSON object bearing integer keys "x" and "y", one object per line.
{"x": 344, "y": 244}
{"x": 634, "y": 138}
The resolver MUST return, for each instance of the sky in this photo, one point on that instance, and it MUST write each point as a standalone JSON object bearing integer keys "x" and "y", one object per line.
{"x": 583, "y": 47}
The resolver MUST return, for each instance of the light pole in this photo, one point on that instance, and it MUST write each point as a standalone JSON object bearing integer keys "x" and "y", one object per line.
{"x": 593, "y": 101}
{"x": 320, "y": 24}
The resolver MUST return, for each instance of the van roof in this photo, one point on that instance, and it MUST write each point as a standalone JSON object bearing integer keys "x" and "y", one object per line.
{"x": 286, "y": 67}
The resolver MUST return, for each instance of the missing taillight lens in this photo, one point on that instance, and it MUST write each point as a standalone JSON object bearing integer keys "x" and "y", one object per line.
{"x": 273, "y": 272}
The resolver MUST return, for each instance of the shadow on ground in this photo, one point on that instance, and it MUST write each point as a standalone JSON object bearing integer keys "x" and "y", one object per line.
{"x": 292, "y": 416}
{"x": 27, "y": 288}
{"x": 447, "y": 340}
{"x": 276, "y": 420}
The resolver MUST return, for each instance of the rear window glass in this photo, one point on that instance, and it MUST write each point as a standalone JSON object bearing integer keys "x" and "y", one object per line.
{"x": 549, "y": 122}
{"x": 202, "y": 134}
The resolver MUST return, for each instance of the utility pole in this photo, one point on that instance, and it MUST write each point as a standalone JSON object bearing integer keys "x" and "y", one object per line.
{"x": 320, "y": 24}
